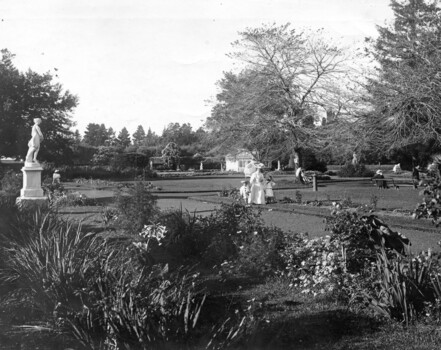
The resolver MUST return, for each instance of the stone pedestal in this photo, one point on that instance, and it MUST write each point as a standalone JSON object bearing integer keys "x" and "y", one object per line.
{"x": 32, "y": 182}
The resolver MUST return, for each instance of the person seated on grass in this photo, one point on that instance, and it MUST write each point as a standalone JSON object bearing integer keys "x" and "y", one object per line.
{"x": 379, "y": 179}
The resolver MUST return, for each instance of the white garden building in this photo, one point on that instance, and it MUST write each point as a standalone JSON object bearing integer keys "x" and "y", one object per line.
{"x": 238, "y": 161}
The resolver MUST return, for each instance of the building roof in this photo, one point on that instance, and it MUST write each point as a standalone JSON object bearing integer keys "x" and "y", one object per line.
{"x": 240, "y": 155}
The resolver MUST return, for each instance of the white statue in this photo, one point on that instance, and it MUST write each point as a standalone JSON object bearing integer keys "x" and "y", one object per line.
{"x": 354, "y": 159}
{"x": 34, "y": 142}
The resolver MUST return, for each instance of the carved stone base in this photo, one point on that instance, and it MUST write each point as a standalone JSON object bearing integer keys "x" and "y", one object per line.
{"x": 32, "y": 182}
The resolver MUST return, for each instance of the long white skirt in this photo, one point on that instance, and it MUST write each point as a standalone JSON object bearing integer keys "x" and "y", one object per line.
{"x": 257, "y": 194}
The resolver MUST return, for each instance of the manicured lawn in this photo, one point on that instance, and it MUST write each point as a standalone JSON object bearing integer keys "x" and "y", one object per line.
{"x": 422, "y": 234}
{"x": 362, "y": 192}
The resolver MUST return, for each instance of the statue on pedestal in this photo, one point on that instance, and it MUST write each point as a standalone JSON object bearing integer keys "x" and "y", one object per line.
{"x": 34, "y": 142}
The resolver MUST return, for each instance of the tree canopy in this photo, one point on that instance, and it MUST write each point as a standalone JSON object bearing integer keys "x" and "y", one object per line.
{"x": 98, "y": 135}
{"x": 405, "y": 91}
{"x": 29, "y": 95}
{"x": 287, "y": 79}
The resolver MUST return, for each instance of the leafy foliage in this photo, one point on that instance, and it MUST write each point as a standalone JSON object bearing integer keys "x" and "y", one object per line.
{"x": 404, "y": 93}
{"x": 25, "y": 96}
{"x": 358, "y": 170}
{"x": 11, "y": 182}
{"x": 137, "y": 208}
{"x": 286, "y": 77}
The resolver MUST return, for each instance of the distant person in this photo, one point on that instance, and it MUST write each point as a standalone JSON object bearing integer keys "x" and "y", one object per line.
{"x": 300, "y": 175}
{"x": 269, "y": 193}
{"x": 416, "y": 176}
{"x": 257, "y": 182}
{"x": 379, "y": 179}
{"x": 56, "y": 177}
{"x": 397, "y": 168}
{"x": 433, "y": 170}
{"x": 244, "y": 190}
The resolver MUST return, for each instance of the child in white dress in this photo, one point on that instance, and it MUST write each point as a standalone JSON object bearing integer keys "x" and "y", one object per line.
{"x": 269, "y": 193}
{"x": 244, "y": 190}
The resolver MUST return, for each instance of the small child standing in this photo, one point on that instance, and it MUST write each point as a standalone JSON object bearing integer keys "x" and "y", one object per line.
{"x": 244, "y": 190}
{"x": 269, "y": 193}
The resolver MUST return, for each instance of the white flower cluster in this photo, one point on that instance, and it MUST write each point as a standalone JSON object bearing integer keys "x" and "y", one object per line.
{"x": 153, "y": 231}
{"x": 149, "y": 232}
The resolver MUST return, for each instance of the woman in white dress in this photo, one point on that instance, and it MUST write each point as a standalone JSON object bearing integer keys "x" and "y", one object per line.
{"x": 257, "y": 182}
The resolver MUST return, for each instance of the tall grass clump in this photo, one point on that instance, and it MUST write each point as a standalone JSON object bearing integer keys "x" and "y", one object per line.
{"x": 103, "y": 292}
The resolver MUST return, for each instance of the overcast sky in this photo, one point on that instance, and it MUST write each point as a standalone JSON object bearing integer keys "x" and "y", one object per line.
{"x": 154, "y": 62}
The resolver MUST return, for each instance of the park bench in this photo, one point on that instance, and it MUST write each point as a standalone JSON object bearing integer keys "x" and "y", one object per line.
{"x": 387, "y": 183}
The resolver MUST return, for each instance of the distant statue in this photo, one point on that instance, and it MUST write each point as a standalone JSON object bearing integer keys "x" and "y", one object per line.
{"x": 354, "y": 159}
{"x": 34, "y": 142}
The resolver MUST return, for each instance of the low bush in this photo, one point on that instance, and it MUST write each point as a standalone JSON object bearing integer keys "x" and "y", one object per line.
{"x": 12, "y": 182}
{"x": 359, "y": 170}
{"x": 105, "y": 173}
{"x": 136, "y": 207}
{"x": 233, "y": 237}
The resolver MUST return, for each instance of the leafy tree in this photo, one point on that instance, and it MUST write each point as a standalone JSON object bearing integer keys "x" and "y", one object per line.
{"x": 104, "y": 155}
{"x": 96, "y": 135}
{"x": 138, "y": 136}
{"x": 405, "y": 91}
{"x": 29, "y": 95}
{"x": 77, "y": 137}
{"x": 288, "y": 77}
{"x": 179, "y": 134}
{"x": 111, "y": 138}
{"x": 171, "y": 155}
{"x": 151, "y": 138}
{"x": 123, "y": 138}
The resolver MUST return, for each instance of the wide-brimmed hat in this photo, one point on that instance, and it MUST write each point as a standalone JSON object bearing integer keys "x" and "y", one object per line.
{"x": 379, "y": 172}
{"x": 259, "y": 165}
{"x": 56, "y": 171}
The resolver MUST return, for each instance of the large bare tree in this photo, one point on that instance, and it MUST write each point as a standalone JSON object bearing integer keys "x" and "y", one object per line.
{"x": 286, "y": 79}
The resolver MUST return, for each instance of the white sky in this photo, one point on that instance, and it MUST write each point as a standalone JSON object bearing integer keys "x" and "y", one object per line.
{"x": 154, "y": 62}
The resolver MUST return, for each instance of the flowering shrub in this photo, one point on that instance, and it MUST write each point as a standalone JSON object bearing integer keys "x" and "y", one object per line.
{"x": 149, "y": 232}
{"x": 430, "y": 207}
{"x": 317, "y": 266}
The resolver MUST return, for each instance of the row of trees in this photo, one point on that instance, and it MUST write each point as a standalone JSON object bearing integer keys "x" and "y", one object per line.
{"x": 98, "y": 135}
{"x": 294, "y": 91}
{"x": 289, "y": 80}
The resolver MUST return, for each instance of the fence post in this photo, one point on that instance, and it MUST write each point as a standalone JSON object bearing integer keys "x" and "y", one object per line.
{"x": 314, "y": 182}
